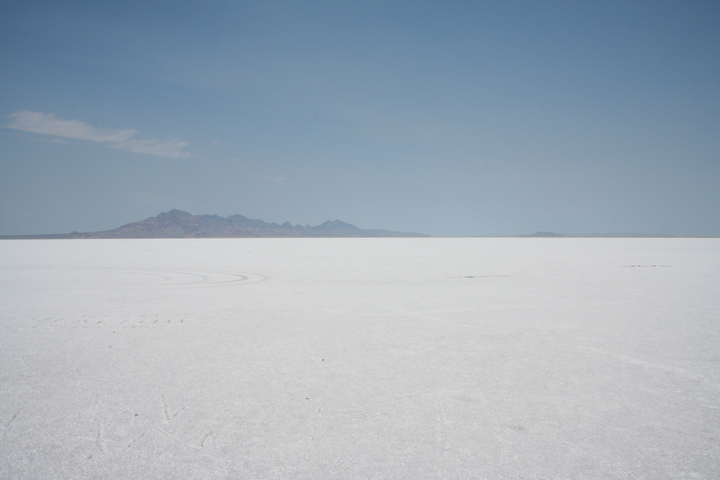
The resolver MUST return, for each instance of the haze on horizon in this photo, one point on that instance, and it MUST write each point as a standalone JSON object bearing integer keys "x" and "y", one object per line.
{"x": 445, "y": 118}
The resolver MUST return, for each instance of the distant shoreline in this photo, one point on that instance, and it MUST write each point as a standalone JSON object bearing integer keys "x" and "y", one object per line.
{"x": 62, "y": 236}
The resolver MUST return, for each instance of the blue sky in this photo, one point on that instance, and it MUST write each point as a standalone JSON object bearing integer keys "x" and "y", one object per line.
{"x": 446, "y": 118}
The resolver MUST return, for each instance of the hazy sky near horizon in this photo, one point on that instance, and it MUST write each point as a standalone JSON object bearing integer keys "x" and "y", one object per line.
{"x": 446, "y": 118}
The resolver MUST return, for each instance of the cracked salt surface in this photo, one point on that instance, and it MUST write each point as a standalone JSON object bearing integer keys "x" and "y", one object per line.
{"x": 360, "y": 358}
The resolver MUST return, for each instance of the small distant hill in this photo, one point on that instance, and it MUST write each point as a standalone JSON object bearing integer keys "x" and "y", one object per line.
{"x": 599, "y": 235}
{"x": 544, "y": 234}
{"x": 180, "y": 224}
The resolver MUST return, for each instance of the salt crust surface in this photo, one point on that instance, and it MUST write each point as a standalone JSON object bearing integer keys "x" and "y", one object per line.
{"x": 360, "y": 358}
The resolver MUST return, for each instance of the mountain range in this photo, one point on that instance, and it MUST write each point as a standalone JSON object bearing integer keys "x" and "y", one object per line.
{"x": 180, "y": 224}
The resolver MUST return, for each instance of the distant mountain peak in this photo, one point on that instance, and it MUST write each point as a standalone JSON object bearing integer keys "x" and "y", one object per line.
{"x": 175, "y": 213}
{"x": 332, "y": 224}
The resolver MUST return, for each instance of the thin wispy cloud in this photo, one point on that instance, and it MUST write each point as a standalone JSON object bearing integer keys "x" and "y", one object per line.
{"x": 275, "y": 179}
{"x": 123, "y": 139}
